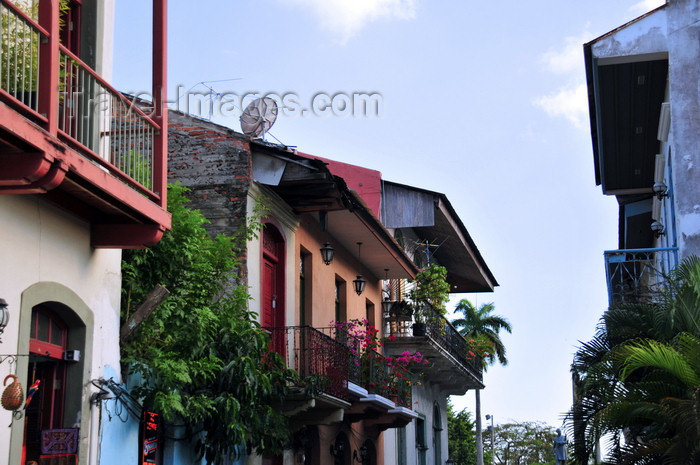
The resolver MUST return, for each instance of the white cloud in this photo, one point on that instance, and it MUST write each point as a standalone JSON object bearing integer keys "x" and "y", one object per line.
{"x": 346, "y": 17}
{"x": 568, "y": 102}
{"x": 646, "y": 5}
{"x": 569, "y": 58}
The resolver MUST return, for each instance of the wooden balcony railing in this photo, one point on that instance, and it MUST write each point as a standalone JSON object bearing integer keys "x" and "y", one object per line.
{"x": 321, "y": 361}
{"x": 52, "y": 86}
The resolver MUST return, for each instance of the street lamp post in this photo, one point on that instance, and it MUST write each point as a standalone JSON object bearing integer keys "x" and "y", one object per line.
{"x": 490, "y": 417}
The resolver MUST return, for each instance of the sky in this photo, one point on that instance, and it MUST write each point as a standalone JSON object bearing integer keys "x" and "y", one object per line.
{"x": 484, "y": 102}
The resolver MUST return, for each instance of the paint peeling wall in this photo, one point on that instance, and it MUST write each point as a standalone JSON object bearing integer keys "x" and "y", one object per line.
{"x": 684, "y": 82}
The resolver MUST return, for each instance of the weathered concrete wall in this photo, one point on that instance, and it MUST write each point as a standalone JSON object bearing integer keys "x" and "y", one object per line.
{"x": 684, "y": 81}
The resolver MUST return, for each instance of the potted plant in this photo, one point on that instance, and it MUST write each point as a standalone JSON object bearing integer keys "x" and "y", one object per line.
{"x": 430, "y": 296}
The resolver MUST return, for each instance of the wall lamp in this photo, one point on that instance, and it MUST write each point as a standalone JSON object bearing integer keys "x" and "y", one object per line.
{"x": 360, "y": 281}
{"x": 660, "y": 190}
{"x": 658, "y": 229}
{"x": 386, "y": 307}
{"x": 359, "y": 284}
{"x": 337, "y": 449}
{"x": 4, "y": 315}
{"x": 327, "y": 253}
{"x": 361, "y": 456}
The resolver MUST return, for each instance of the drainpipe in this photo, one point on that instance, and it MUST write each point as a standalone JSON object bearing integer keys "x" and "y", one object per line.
{"x": 95, "y": 410}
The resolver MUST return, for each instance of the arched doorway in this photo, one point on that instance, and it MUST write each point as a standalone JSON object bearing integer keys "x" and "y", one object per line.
{"x": 56, "y": 340}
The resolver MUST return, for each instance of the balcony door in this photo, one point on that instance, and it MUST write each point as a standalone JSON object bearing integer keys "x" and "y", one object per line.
{"x": 272, "y": 305}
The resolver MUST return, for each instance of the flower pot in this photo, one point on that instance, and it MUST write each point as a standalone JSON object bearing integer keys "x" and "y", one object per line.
{"x": 419, "y": 329}
{"x": 12, "y": 396}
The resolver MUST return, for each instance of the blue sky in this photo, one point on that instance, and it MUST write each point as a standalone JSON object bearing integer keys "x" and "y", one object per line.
{"x": 482, "y": 101}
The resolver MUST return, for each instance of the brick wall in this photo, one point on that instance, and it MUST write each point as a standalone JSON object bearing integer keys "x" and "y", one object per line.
{"x": 214, "y": 162}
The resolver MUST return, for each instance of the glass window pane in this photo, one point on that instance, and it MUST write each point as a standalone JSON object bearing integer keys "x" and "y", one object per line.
{"x": 43, "y": 328}
{"x": 56, "y": 334}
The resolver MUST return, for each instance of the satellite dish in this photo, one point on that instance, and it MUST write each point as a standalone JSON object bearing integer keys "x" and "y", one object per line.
{"x": 258, "y": 117}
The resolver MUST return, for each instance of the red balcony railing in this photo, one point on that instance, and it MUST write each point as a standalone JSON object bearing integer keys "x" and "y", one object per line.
{"x": 53, "y": 87}
{"x": 322, "y": 362}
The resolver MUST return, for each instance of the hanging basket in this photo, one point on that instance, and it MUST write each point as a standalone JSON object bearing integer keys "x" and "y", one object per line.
{"x": 12, "y": 396}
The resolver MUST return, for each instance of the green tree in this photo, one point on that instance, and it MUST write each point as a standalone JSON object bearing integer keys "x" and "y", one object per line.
{"x": 201, "y": 358}
{"x": 461, "y": 436}
{"x": 522, "y": 443}
{"x": 637, "y": 379}
{"x": 479, "y": 324}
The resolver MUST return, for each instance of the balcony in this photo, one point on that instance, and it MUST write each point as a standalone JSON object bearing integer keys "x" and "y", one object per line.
{"x": 322, "y": 365}
{"x": 375, "y": 399}
{"x": 67, "y": 134}
{"x": 634, "y": 274}
{"x": 446, "y": 351}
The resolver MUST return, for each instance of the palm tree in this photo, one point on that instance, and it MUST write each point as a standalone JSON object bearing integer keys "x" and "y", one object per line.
{"x": 662, "y": 403}
{"x": 479, "y": 324}
{"x": 639, "y": 377}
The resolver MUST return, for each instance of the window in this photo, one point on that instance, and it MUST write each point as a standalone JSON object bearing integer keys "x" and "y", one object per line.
{"x": 340, "y": 300}
{"x": 421, "y": 440}
{"x": 48, "y": 334}
{"x": 437, "y": 430}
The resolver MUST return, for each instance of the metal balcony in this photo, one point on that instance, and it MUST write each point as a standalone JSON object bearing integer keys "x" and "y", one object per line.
{"x": 369, "y": 369}
{"x": 634, "y": 274}
{"x": 321, "y": 361}
{"x": 445, "y": 349}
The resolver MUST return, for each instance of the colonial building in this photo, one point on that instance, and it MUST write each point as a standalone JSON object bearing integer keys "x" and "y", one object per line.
{"x": 82, "y": 176}
{"x": 645, "y": 126}
{"x": 324, "y": 262}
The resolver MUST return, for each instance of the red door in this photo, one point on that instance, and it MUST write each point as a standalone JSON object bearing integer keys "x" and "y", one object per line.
{"x": 272, "y": 305}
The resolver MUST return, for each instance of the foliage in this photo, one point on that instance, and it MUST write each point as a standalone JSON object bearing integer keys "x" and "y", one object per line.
{"x": 526, "y": 442}
{"x": 461, "y": 437}
{"x": 431, "y": 288}
{"x": 639, "y": 377}
{"x": 19, "y": 48}
{"x": 479, "y": 347}
{"x": 482, "y": 327}
{"x": 364, "y": 343}
{"x": 201, "y": 357}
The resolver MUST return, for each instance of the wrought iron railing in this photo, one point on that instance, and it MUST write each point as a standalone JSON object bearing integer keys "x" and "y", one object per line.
{"x": 321, "y": 361}
{"x": 100, "y": 122}
{"x": 370, "y": 369}
{"x": 633, "y": 274}
{"x": 439, "y": 332}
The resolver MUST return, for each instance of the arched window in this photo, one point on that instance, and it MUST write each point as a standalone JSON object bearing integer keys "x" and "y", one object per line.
{"x": 437, "y": 434}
